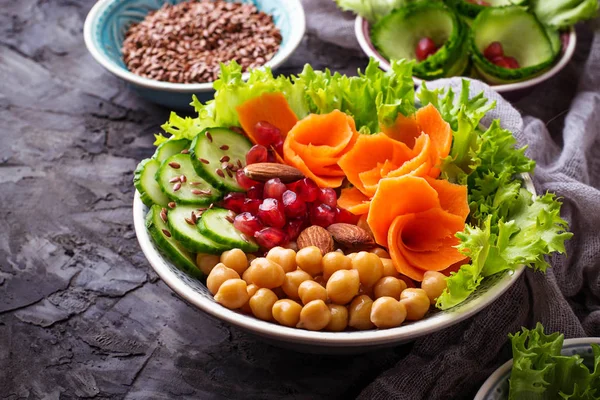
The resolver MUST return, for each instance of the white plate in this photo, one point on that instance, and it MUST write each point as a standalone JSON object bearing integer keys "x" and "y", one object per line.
{"x": 197, "y": 294}
{"x": 362, "y": 29}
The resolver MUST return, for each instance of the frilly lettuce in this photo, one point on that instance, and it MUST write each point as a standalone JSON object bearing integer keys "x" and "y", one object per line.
{"x": 560, "y": 14}
{"x": 540, "y": 372}
{"x": 373, "y": 98}
{"x": 371, "y": 10}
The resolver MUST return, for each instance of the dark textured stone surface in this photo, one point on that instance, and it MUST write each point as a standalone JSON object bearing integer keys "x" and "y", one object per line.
{"x": 82, "y": 315}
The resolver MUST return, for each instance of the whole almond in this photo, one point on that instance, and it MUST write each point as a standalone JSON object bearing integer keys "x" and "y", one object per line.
{"x": 315, "y": 236}
{"x": 262, "y": 172}
{"x": 350, "y": 235}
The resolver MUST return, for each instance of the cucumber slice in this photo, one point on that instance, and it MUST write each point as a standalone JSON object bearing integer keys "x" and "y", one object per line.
{"x": 215, "y": 226}
{"x": 522, "y": 36}
{"x": 168, "y": 245}
{"x": 171, "y": 147}
{"x": 397, "y": 34}
{"x": 188, "y": 234}
{"x": 143, "y": 179}
{"x": 471, "y": 10}
{"x": 209, "y": 148}
{"x": 194, "y": 190}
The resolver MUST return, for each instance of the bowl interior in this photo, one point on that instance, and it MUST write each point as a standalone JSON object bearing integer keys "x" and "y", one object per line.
{"x": 197, "y": 294}
{"x": 109, "y": 20}
{"x": 496, "y": 387}
{"x": 362, "y": 30}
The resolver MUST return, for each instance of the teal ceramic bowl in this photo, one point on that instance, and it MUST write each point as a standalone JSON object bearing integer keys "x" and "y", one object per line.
{"x": 108, "y": 20}
{"x": 496, "y": 387}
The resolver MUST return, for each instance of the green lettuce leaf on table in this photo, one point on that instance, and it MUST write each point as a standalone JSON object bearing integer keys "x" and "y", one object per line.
{"x": 540, "y": 372}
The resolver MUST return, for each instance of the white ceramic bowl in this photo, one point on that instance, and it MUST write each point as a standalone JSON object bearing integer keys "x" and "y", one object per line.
{"x": 197, "y": 294}
{"x": 496, "y": 386}
{"x": 569, "y": 39}
{"x": 107, "y": 22}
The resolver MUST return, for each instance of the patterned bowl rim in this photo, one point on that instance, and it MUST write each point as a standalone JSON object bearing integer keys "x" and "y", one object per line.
{"x": 293, "y": 7}
{"x": 361, "y": 30}
{"x": 503, "y": 372}
{"x": 404, "y": 333}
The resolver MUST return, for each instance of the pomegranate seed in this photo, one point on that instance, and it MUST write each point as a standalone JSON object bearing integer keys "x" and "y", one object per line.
{"x": 512, "y": 62}
{"x": 268, "y": 238}
{"x": 256, "y": 154}
{"x": 425, "y": 48}
{"x": 494, "y": 50}
{"x": 293, "y": 227}
{"x": 501, "y": 62}
{"x": 247, "y": 223}
{"x": 307, "y": 190}
{"x": 345, "y": 216}
{"x": 251, "y": 205}
{"x": 274, "y": 189}
{"x": 322, "y": 215}
{"x": 278, "y": 147}
{"x": 256, "y": 191}
{"x": 243, "y": 180}
{"x": 266, "y": 133}
{"x": 293, "y": 206}
{"x": 328, "y": 196}
{"x": 271, "y": 213}
{"x": 234, "y": 201}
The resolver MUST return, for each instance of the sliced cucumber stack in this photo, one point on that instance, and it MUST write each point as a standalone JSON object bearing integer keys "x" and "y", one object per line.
{"x": 397, "y": 35}
{"x": 217, "y": 153}
{"x": 143, "y": 179}
{"x": 160, "y": 233}
{"x": 522, "y": 37}
{"x": 471, "y": 9}
{"x": 182, "y": 225}
{"x": 215, "y": 224}
{"x": 170, "y": 148}
{"x": 180, "y": 182}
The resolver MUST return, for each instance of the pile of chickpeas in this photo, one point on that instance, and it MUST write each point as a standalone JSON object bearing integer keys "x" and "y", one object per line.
{"x": 309, "y": 290}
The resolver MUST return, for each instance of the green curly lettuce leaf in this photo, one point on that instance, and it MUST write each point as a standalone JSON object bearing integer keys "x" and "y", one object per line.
{"x": 560, "y": 14}
{"x": 372, "y": 10}
{"x": 540, "y": 372}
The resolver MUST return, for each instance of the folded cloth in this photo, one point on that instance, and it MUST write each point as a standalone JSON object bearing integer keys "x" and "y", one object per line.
{"x": 453, "y": 363}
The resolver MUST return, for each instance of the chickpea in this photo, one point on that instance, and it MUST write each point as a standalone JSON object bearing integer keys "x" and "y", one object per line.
{"x": 219, "y": 274}
{"x": 292, "y": 281}
{"x": 311, "y": 290}
{"x": 334, "y": 261}
{"x": 262, "y": 304}
{"x": 232, "y": 294}
{"x": 387, "y": 312}
{"x": 433, "y": 284}
{"x": 388, "y": 268}
{"x": 339, "y": 318}
{"x": 236, "y": 260}
{"x": 247, "y": 274}
{"x": 416, "y": 302}
{"x": 206, "y": 262}
{"x": 388, "y": 286}
{"x": 380, "y": 252}
{"x": 360, "y": 313}
{"x": 314, "y": 316}
{"x": 251, "y": 289}
{"x": 369, "y": 267}
{"x": 351, "y": 256}
{"x": 309, "y": 259}
{"x": 343, "y": 286}
{"x": 266, "y": 274}
{"x": 284, "y": 257}
{"x": 287, "y": 312}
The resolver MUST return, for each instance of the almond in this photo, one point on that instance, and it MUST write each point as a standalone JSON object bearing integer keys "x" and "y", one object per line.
{"x": 350, "y": 235}
{"x": 262, "y": 172}
{"x": 315, "y": 236}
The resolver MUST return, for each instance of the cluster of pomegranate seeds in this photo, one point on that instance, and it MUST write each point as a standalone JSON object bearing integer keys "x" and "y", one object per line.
{"x": 425, "y": 48}
{"x": 269, "y": 136}
{"x": 495, "y": 54}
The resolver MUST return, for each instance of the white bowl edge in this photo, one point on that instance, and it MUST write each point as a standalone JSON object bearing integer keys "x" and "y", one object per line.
{"x": 566, "y": 56}
{"x": 123, "y": 73}
{"x": 397, "y": 335}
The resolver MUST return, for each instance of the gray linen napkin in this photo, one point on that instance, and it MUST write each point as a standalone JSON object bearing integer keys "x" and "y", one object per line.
{"x": 451, "y": 364}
